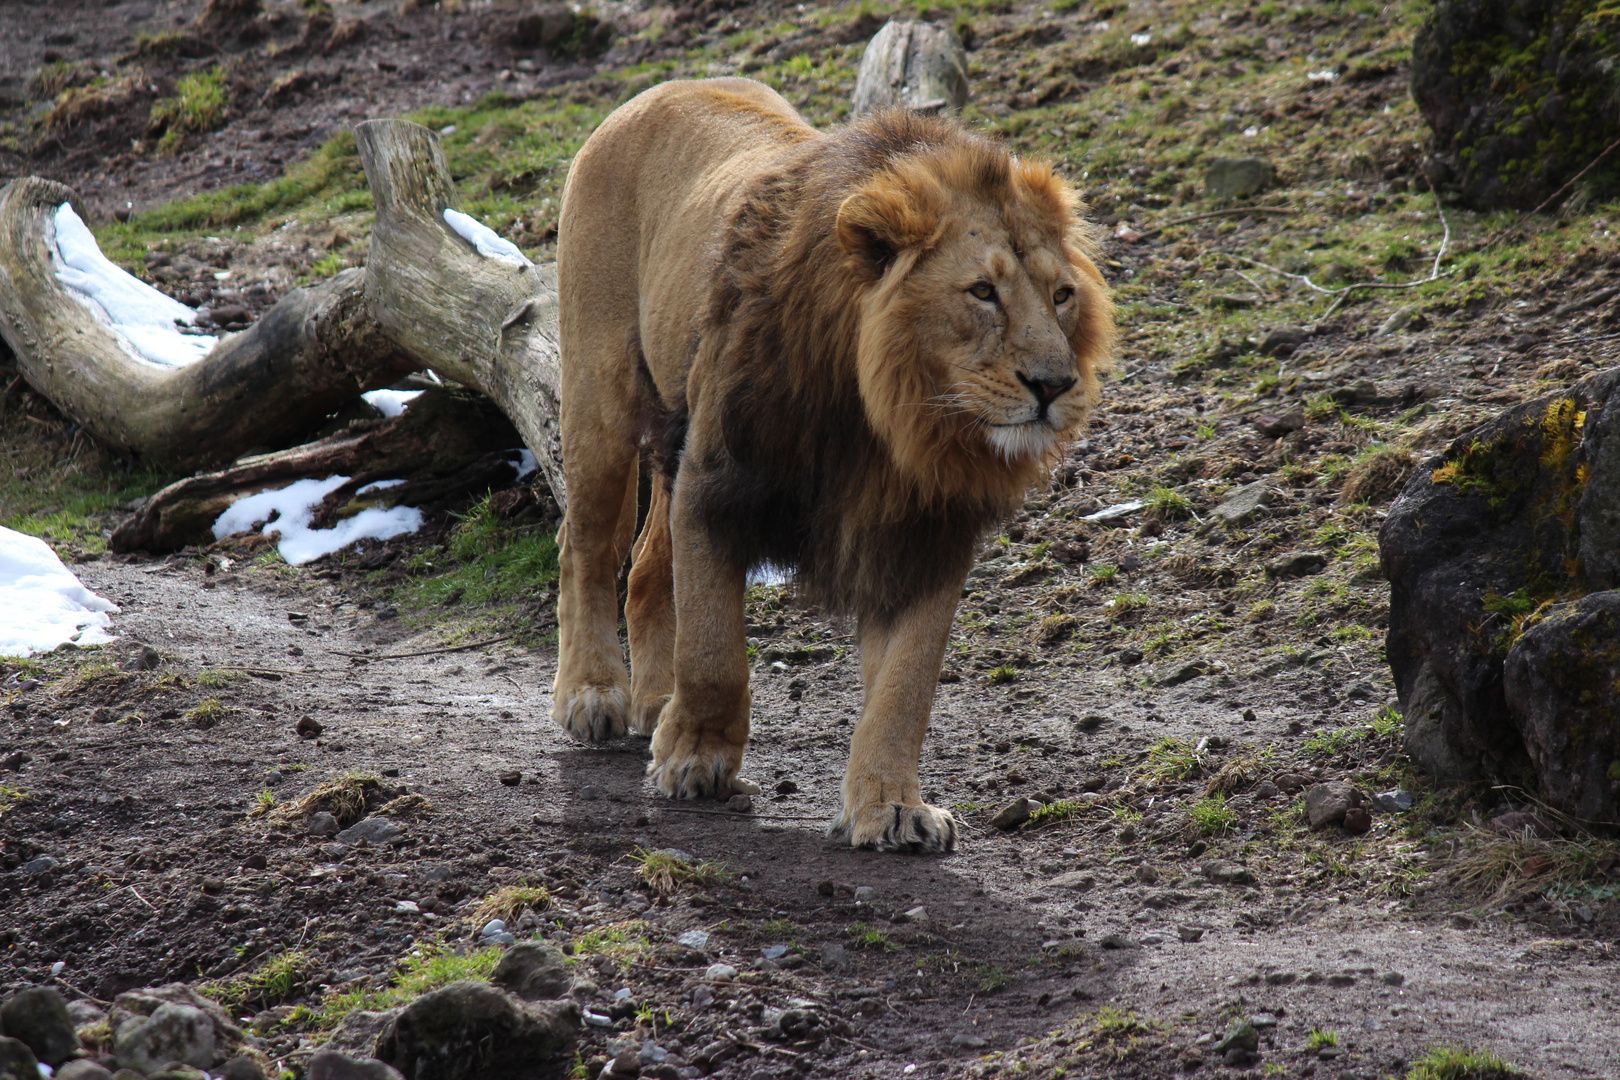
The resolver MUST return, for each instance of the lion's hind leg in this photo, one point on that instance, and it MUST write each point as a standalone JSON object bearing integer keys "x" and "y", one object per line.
{"x": 649, "y": 612}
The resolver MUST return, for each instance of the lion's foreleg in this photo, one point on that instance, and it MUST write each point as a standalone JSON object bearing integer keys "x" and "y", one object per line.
{"x": 703, "y": 731}
{"x": 883, "y": 805}
{"x": 590, "y": 696}
{"x": 649, "y": 612}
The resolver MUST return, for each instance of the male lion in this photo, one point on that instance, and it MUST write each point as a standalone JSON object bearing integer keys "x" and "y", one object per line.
{"x": 852, "y": 353}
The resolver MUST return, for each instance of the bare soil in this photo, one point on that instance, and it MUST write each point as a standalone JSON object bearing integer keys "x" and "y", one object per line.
{"x": 1062, "y": 682}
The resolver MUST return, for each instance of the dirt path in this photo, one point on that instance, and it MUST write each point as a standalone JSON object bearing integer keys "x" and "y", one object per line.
{"x": 157, "y": 875}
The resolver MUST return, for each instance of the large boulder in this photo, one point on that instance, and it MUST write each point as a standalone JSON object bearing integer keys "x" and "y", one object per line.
{"x": 472, "y": 1029}
{"x": 39, "y": 1017}
{"x": 1502, "y": 556}
{"x": 912, "y": 65}
{"x": 160, "y": 1024}
{"x": 1519, "y": 94}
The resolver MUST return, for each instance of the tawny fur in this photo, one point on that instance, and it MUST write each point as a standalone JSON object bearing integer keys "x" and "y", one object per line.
{"x": 852, "y": 353}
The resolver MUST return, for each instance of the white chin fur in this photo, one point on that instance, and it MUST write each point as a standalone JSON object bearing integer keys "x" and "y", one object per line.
{"x": 1016, "y": 441}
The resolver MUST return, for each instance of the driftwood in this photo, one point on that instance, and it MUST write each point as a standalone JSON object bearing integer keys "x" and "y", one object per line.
{"x": 426, "y": 299}
{"x": 448, "y": 443}
{"x": 913, "y": 65}
{"x": 309, "y": 355}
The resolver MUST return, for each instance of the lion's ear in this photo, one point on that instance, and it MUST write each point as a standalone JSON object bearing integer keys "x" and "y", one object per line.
{"x": 883, "y": 219}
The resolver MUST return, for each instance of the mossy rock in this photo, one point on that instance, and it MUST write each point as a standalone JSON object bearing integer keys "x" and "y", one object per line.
{"x": 1516, "y": 517}
{"x": 1521, "y": 95}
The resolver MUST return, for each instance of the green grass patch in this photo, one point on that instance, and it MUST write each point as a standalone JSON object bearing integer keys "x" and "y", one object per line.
{"x": 11, "y": 798}
{"x": 623, "y": 943}
{"x": 1455, "y": 1063}
{"x": 494, "y": 562}
{"x": 866, "y": 936}
{"x": 1055, "y": 811}
{"x": 429, "y": 966}
{"x": 1173, "y": 759}
{"x": 1321, "y": 1038}
{"x": 1211, "y": 816}
{"x": 217, "y": 678}
{"x": 200, "y": 103}
{"x": 273, "y": 983}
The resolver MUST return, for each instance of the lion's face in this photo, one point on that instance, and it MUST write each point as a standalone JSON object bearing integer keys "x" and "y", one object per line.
{"x": 982, "y": 335}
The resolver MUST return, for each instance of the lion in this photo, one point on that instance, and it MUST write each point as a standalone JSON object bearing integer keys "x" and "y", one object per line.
{"x": 848, "y": 354}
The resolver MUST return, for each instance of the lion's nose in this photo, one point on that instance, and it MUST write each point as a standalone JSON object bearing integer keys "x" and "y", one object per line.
{"x": 1045, "y": 389}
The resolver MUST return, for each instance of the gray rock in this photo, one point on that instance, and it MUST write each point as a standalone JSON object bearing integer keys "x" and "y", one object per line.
{"x": 963, "y": 1041}
{"x": 41, "y": 865}
{"x": 533, "y": 971}
{"x": 834, "y": 956}
{"x": 1517, "y": 823}
{"x": 178, "y": 1070}
{"x": 144, "y": 1004}
{"x": 17, "y": 1062}
{"x": 1116, "y": 941}
{"x": 321, "y": 823}
{"x": 1078, "y": 880}
{"x": 696, "y": 940}
{"x": 83, "y": 1069}
{"x": 1326, "y": 804}
{"x": 918, "y": 914}
{"x": 241, "y": 1068}
{"x": 1295, "y": 564}
{"x": 470, "y": 1029}
{"x": 1238, "y": 1058}
{"x": 720, "y": 973}
{"x": 357, "y": 1032}
{"x": 331, "y": 1065}
{"x": 1283, "y": 340}
{"x": 84, "y": 1011}
{"x": 1223, "y": 872}
{"x": 173, "y": 1032}
{"x": 912, "y": 65}
{"x": 1237, "y": 177}
{"x": 1190, "y": 934}
{"x": 1014, "y": 814}
{"x": 1242, "y": 504}
{"x": 1562, "y": 684}
{"x": 1393, "y": 801}
{"x": 1240, "y": 1036}
{"x": 1177, "y": 672}
{"x": 39, "y": 1017}
{"x": 1263, "y": 1021}
{"x": 1118, "y": 510}
{"x": 373, "y": 830}
{"x": 1397, "y": 322}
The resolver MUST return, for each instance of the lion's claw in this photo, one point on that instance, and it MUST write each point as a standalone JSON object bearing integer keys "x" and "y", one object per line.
{"x": 916, "y": 828}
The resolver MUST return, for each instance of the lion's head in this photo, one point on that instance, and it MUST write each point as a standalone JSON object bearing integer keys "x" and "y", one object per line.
{"x": 984, "y": 323}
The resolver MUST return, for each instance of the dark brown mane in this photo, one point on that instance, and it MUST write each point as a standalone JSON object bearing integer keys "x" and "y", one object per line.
{"x": 803, "y": 481}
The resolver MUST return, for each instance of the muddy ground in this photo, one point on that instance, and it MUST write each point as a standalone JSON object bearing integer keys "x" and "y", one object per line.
{"x": 1169, "y": 684}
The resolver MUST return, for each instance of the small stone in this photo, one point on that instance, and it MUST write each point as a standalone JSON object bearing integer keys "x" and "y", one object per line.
{"x": 834, "y": 956}
{"x": 1014, "y": 814}
{"x": 1190, "y": 934}
{"x": 1240, "y": 1036}
{"x": 83, "y": 1069}
{"x": 1238, "y": 1058}
{"x": 787, "y": 787}
{"x": 1128, "y": 834}
{"x": 1275, "y": 427}
{"x": 865, "y": 894}
{"x": 373, "y": 830}
{"x": 17, "y": 1061}
{"x": 1237, "y": 177}
{"x": 533, "y": 971}
{"x": 740, "y": 804}
{"x": 331, "y": 1065}
{"x": 322, "y": 823}
{"x": 918, "y": 914}
{"x": 1151, "y": 939}
{"x": 174, "y": 1032}
{"x": 826, "y": 887}
{"x": 1147, "y": 875}
{"x": 1296, "y": 564}
{"x": 1265, "y": 789}
{"x": 1517, "y": 821}
{"x": 720, "y": 973}
{"x": 1459, "y": 921}
{"x": 1284, "y": 340}
{"x": 1243, "y": 503}
{"x": 39, "y": 1017}
{"x": 41, "y": 865}
{"x": 14, "y": 761}
{"x": 1114, "y": 940}
{"x": 1393, "y": 801}
{"x": 308, "y": 727}
{"x": 963, "y": 1041}
{"x": 494, "y": 926}
{"x": 598, "y": 1019}
{"x": 178, "y": 1071}
{"x": 245, "y": 1068}
{"x": 1326, "y": 804}
{"x": 773, "y": 952}
{"x": 1263, "y": 1021}
{"x": 145, "y": 658}
{"x": 626, "y": 1062}
{"x": 510, "y": 777}
{"x": 1223, "y": 872}
{"x": 1393, "y": 978}
{"x": 1357, "y": 821}
{"x": 696, "y": 940}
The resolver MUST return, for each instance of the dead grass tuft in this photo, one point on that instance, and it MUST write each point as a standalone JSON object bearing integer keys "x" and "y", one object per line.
{"x": 510, "y": 901}
{"x": 348, "y": 798}
{"x": 1378, "y": 477}
{"x": 1498, "y": 866}
{"x": 665, "y": 871}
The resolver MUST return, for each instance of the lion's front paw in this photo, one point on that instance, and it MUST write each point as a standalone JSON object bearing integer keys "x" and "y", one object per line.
{"x": 911, "y": 827}
{"x": 593, "y": 714}
{"x": 697, "y": 767}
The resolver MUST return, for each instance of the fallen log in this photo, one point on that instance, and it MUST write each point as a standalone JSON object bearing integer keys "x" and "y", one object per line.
{"x": 447, "y": 444}
{"x": 307, "y": 356}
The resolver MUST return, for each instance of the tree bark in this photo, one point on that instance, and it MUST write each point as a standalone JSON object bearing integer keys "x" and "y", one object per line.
{"x": 307, "y": 356}
{"x": 477, "y": 320}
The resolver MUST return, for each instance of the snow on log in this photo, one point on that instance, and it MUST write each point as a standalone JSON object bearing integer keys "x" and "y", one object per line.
{"x": 85, "y": 341}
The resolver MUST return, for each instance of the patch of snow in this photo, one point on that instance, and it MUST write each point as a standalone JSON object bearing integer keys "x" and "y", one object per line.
{"x": 41, "y": 603}
{"x": 767, "y": 574}
{"x": 490, "y": 244}
{"x": 142, "y": 318}
{"x": 391, "y": 402}
{"x": 1141, "y": 39}
{"x": 379, "y": 485}
{"x": 290, "y": 510}
{"x": 526, "y": 462}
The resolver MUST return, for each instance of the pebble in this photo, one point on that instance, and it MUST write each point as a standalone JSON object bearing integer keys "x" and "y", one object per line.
{"x": 787, "y": 787}
{"x": 720, "y": 973}
{"x": 373, "y": 830}
{"x": 865, "y": 894}
{"x": 1116, "y": 941}
{"x": 407, "y": 907}
{"x": 1014, "y": 814}
{"x": 834, "y": 955}
{"x": 510, "y": 777}
{"x": 965, "y": 1041}
{"x": 1240, "y": 1036}
{"x": 1190, "y": 934}
{"x": 1357, "y": 821}
{"x": 39, "y": 1017}
{"x": 596, "y": 1019}
{"x": 1152, "y": 939}
{"x": 1325, "y": 804}
{"x": 1393, "y": 978}
{"x": 740, "y": 804}
{"x": 774, "y": 952}
{"x": 14, "y": 761}
{"x": 1263, "y": 1021}
{"x": 918, "y": 914}
{"x": 696, "y": 940}
{"x": 41, "y": 864}
{"x": 321, "y": 823}
{"x": 1224, "y": 872}
{"x": 1393, "y": 801}
{"x": 309, "y": 728}
{"x": 1147, "y": 874}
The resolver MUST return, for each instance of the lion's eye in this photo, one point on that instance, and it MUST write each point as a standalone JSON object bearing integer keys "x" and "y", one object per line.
{"x": 1062, "y": 296}
{"x": 984, "y": 291}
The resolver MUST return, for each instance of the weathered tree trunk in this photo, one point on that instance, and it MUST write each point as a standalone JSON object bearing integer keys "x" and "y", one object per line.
{"x": 448, "y": 443}
{"x": 307, "y": 356}
{"x": 477, "y": 320}
{"x": 912, "y": 65}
